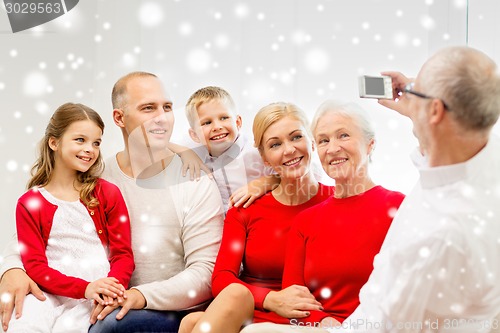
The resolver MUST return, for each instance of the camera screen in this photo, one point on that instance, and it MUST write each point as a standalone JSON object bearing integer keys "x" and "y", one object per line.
{"x": 374, "y": 86}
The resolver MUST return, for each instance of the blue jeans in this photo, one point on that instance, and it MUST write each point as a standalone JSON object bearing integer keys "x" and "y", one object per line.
{"x": 140, "y": 321}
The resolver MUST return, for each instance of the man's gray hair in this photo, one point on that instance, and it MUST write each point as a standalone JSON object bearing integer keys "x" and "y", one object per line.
{"x": 468, "y": 81}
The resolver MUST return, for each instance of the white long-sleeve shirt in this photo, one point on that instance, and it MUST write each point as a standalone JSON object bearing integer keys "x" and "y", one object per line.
{"x": 176, "y": 227}
{"x": 439, "y": 267}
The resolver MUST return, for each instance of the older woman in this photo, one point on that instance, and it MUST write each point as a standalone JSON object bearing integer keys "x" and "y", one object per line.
{"x": 331, "y": 246}
{"x": 255, "y": 238}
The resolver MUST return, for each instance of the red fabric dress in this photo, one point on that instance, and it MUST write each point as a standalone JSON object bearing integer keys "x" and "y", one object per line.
{"x": 256, "y": 237}
{"x": 331, "y": 248}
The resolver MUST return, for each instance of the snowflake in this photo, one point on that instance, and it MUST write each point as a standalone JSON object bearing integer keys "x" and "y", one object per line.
{"x": 424, "y": 252}
{"x": 222, "y": 41}
{"x": 205, "y": 327}
{"x": 11, "y": 165}
{"x": 299, "y": 37}
{"x": 150, "y": 14}
{"x": 69, "y": 322}
{"x": 129, "y": 60}
{"x": 467, "y": 191}
{"x": 198, "y": 60}
{"x": 325, "y": 293}
{"x": 185, "y": 28}
{"x": 42, "y": 107}
{"x": 236, "y": 246}
{"x": 427, "y": 22}
{"x": 34, "y": 84}
{"x": 442, "y": 273}
{"x": 392, "y": 212}
{"x": 457, "y": 308}
{"x": 400, "y": 39}
{"x": 286, "y": 78}
{"x": 33, "y": 203}
{"x": 6, "y": 297}
{"x": 460, "y": 3}
{"x": 241, "y": 10}
{"x": 317, "y": 60}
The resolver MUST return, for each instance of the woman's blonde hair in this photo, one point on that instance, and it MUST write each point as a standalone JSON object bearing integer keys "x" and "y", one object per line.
{"x": 273, "y": 112}
{"x": 42, "y": 170}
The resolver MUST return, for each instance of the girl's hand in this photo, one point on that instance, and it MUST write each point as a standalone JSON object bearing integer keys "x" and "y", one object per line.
{"x": 104, "y": 290}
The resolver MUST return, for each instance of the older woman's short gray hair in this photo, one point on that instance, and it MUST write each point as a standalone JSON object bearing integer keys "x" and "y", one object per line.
{"x": 350, "y": 110}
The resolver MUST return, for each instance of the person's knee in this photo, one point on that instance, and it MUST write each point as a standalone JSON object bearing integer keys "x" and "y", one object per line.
{"x": 189, "y": 322}
{"x": 239, "y": 295}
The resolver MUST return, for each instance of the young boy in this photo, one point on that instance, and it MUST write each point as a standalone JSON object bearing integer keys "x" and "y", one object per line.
{"x": 234, "y": 161}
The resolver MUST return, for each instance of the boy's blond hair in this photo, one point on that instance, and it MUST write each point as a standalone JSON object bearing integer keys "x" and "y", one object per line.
{"x": 205, "y": 95}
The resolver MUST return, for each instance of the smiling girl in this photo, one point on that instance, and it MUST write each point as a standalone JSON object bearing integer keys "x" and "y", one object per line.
{"x": 73, "y": 227}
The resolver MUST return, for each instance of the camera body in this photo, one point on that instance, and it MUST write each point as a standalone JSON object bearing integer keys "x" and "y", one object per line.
{"x": 379, "y": 87}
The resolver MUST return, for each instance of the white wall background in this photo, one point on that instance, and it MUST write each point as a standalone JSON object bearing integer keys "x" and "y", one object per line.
{"x": 301, "y": 51}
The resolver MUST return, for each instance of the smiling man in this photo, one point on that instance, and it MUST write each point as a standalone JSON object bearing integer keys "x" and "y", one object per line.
{"x": 176, "y": 223}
